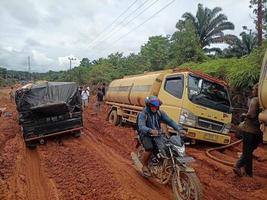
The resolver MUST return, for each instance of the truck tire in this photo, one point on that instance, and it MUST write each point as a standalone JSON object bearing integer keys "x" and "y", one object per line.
{"x": 77, "y": 134}
{"x": 31, "y": 145}
{"x": 114, "y": 118}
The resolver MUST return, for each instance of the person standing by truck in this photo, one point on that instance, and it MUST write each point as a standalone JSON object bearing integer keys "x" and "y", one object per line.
{"x": 99, "y": 100}
{"x": 103, "y": 89}
{"x": 12, "y": 94}
{"x": 85, "y": 95}
{"x": 252, "y": 136}
{"x": 149, "y": 125}
{"x": 88, "y": 90}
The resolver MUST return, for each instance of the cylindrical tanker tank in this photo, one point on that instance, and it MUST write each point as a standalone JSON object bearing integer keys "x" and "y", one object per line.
{"x": 263, "y": 98}
{"x": 133, "y": 90}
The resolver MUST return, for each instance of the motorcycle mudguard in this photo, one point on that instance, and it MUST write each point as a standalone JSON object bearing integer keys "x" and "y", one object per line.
{"x": 189, "y": 169}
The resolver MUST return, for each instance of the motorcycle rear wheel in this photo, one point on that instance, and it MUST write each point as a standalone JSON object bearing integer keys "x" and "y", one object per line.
{"x": 191, "y": 187}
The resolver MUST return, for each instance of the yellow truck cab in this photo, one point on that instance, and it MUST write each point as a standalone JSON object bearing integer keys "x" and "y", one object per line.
{"x": 263, "y": 98}
{"x": 198, "y": 101}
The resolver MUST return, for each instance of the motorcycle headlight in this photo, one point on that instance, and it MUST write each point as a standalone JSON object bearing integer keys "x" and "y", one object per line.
{"x": 226, "y": 129}
{"x": 187, "y": 118}
{"x": 180, "y": 150}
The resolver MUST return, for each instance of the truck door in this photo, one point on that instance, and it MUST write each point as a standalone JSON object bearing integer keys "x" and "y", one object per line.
{"x": 171, "y": 94}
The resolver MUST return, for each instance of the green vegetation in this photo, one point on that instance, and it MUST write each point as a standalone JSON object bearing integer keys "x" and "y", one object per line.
{"x": 210, "y": 25}
{"x": 240, "y": 73}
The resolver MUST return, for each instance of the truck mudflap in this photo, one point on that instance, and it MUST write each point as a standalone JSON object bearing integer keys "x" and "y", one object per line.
{"x": 208, "y": 136}
{"x": 38, "y": 137}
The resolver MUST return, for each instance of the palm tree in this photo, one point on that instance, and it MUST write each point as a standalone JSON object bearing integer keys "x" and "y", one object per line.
{"x": 243, "y": 46}
{"x": 209, "y": 25}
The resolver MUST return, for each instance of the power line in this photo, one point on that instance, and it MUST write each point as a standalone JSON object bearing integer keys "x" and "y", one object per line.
{"x": 110, "y": 25}
{"x": 121, "y": 22}
{"x": 149, "y": 6}
{"x": 136, "y": 27}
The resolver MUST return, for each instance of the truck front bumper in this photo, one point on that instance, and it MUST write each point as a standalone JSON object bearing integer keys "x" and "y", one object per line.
{"x": 198, "y": 134}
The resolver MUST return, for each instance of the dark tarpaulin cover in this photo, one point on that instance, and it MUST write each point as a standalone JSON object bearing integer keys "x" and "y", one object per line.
{"x": 48, "y": 97}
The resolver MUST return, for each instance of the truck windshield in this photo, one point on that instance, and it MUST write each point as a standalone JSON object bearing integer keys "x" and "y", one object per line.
{"x": 209, "y": 94}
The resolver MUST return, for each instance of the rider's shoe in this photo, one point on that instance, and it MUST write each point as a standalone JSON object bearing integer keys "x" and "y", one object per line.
{"x": 146, "y": 171}
{"x": 239, "y": 171}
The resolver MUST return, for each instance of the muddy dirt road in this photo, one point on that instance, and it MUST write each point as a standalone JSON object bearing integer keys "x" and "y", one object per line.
{"x": 97, "y": 166}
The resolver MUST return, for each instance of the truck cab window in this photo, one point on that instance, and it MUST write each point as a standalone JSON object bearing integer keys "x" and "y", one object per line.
{"x": 209, "y": 94}
{"x": 175, "y": 86}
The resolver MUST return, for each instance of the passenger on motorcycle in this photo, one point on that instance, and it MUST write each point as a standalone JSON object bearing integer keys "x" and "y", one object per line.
{"x": 148, "y": 123}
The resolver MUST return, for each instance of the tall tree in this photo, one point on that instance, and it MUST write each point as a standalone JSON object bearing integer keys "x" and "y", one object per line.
{"x": 3, "y": 72}
{"x": 242, "y": 46}
{"x": 85, "y": 62}
{"x": 155, "y": 51}
{"x": 115, "y": 59}
{"x": 257, "y": 6}
{"x": 185, "y": 46}
{"x": 209, "y": 25}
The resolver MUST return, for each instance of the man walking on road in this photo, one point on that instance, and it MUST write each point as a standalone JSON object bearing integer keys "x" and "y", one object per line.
{"x": 12, "y": 94}
{"x": 99, "y": 100}
{"x": 85, "y": 96}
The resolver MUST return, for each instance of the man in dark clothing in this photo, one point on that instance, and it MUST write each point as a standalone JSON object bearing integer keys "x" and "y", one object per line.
{"x": 149, "y": 125}
{"x": 104, "y": 89}
{"x": 252, "y": 136}
{"x": 99, "y": 100}
{"x": 80, "y": 90}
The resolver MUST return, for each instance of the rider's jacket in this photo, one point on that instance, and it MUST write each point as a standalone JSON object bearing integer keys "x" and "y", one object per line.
{"x": 148, "y": 120}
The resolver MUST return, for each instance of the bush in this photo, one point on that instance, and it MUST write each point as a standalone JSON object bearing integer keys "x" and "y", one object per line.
{"x": 239, "y": 73}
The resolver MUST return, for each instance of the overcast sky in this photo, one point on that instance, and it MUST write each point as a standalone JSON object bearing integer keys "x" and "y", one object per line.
{"x": 50, "y": 31}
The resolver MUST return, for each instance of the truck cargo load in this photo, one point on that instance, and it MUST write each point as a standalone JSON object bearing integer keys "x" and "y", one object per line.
{"x": 49, "y": 108}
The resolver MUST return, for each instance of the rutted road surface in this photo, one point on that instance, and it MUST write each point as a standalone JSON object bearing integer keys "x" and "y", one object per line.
{"x": 97, "y": 166}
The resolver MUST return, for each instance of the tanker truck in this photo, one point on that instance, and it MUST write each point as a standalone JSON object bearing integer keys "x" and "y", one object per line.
{"x": 198, "y": 101}
{"x": 263, "y": 98}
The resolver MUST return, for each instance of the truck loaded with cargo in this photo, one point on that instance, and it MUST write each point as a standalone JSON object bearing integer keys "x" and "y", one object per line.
{"x": 198, "y": 101}
{"x": 48, "y": 109}
{"x": 263, "y": 98}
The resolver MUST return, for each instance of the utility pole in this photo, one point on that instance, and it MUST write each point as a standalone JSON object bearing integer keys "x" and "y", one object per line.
{"x": 29, "y": 67}
{"x": 259, "y": 22}
{"x": 71, "y": 59}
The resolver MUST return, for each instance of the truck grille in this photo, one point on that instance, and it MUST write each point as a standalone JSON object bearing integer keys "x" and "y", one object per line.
{"x": 210, "y": 124}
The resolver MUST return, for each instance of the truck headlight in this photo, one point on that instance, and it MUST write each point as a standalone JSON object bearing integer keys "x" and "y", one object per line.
{"x": 226, "y": 129}
{"x": 187, "y": 118}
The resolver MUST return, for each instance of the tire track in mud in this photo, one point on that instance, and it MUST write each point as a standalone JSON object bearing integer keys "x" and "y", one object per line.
{"x": 79, "y": 172}
{"x": 133, "y": 186}
{"x": 29, "y": 180}
{"x": 39, "y": 186}
{"x": 21, "y": 173}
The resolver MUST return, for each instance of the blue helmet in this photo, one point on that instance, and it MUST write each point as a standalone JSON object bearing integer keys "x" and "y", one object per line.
{"x": 152, "y": 101}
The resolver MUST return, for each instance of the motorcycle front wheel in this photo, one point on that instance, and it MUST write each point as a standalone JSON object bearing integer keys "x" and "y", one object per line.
{"x": 190, "y": 188}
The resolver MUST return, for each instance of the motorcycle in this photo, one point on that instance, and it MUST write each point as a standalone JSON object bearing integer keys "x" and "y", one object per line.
{"x": 169, "y": 164}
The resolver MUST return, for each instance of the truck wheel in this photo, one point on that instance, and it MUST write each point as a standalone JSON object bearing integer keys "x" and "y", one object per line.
{"x": 114, "y": 118}
{"x": 31, "y": 145}
{"x": 77, "y": 134}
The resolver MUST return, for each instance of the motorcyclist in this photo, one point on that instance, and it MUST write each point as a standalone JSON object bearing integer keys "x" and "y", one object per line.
{"x": 149, "y": 125}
